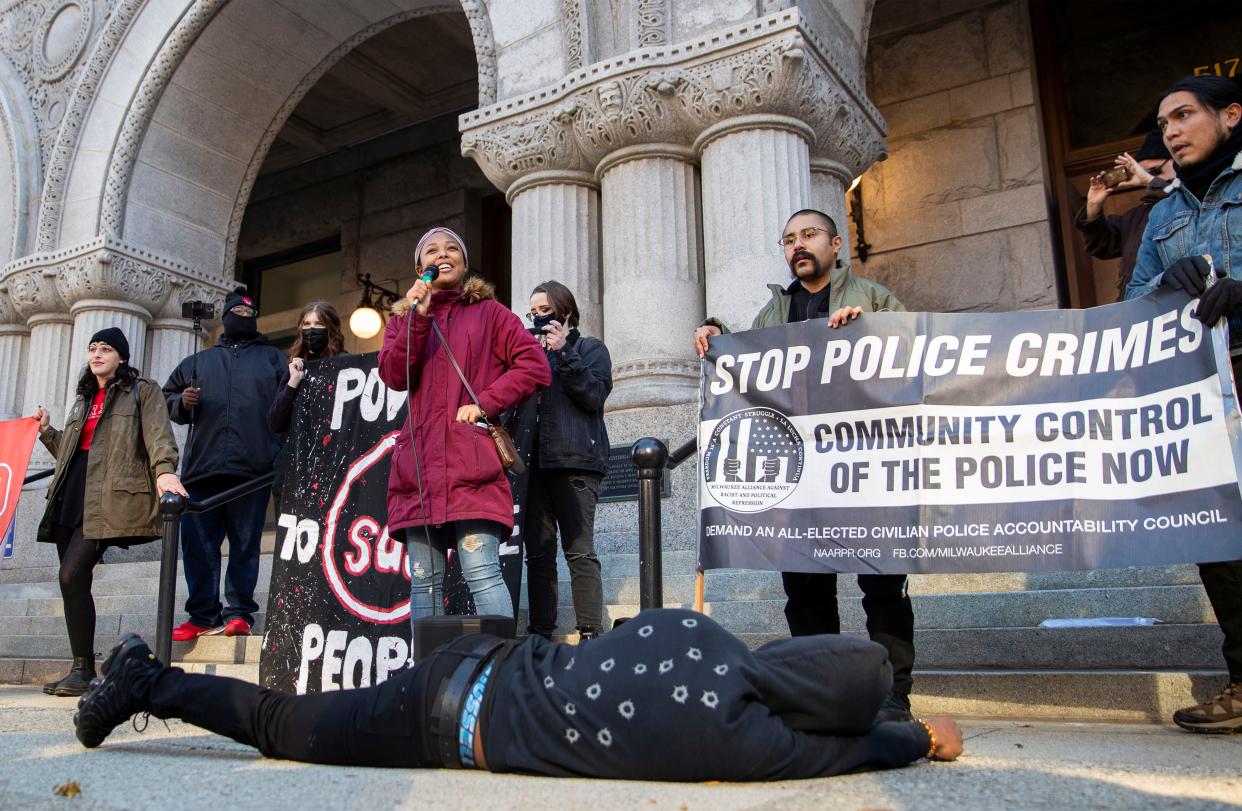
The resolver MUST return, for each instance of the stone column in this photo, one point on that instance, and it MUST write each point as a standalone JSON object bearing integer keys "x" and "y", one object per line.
{"x": 50, "y": 367}
{"x": 92, "y": 315}
{"x": 14, "y": 339}
{"x": 653, "y": 273}
{"x": 756, "y": 172}
{"x": 172, "y": 340}
{"x": 556, "y": 236}
{"x": 829, "y": 184}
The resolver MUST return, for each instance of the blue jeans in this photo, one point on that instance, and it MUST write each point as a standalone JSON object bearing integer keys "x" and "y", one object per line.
{"x": 478, "y": 553}
{"x": 201, "y": 537}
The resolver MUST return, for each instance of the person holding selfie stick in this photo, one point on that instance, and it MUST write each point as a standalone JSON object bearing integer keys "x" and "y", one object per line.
{"x": 237, "y": 382}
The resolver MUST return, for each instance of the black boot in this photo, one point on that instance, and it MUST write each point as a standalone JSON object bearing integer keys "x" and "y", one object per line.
{"x": 586, "y": 632}
{"x": 122, "y": 691}
{"x": 50, "y": 687}
{"x": 530, "y": 631}
{"x": 79, "y": 679}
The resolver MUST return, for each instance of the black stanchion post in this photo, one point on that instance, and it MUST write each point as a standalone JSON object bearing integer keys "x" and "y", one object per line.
{"x": 171, "y": 507}
{"x": 649, "y": 456}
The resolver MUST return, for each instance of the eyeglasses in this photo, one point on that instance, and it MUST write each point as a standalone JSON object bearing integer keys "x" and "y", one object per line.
{"x": 533, "y": 314}
{"x": 806, "y": 234}
{"x": 244, "y": 311}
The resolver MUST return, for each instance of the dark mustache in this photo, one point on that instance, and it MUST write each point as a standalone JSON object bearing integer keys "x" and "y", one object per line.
{"x": 801, "y": 255}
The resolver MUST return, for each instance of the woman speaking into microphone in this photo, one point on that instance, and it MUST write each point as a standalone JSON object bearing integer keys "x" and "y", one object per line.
{"x": 446, "y": 486}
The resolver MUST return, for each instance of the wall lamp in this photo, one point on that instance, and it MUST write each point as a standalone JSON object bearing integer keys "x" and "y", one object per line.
{"x": 856, "y": 214}
{"x": 365, "y": 321}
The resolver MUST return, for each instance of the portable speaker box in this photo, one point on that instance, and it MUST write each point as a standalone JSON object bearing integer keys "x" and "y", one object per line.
{"x": 432, "y": 632}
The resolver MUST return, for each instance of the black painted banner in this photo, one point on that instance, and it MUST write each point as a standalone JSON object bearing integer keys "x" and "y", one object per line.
{"x": 929, "y": 442}
{"x": 338, "y": 613}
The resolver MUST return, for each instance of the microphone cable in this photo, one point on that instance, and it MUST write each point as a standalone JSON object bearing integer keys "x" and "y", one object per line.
{"x": 418, "y": 475}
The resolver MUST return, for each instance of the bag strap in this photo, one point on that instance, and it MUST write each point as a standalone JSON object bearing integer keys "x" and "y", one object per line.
{"x": 456, "y": 368}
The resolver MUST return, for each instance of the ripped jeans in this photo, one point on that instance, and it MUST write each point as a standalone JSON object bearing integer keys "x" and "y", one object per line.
{"x": 477, "y": 543}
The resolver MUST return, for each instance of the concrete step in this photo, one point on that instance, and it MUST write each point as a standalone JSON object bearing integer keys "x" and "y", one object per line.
{"x": 222, "y": 649}
{"x": 40, "y": 671}
{"x": 1180, "y": 605}
{"x": 1159, "y": 647}
{"x": 1063, "y": 695}
{"x": 109, "y": 571}
{"x": 1170, "y": 604}
{"x": 104, "y": 604}
{"x": 106, "y": 625}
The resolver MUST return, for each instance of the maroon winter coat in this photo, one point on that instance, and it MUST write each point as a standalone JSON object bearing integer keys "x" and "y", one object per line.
{"x": 461, "y": 473}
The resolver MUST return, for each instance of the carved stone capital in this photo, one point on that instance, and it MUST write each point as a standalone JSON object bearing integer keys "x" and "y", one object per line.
{"x": 8, "y": 312}
{"x": 773, "y": 66}
{"x": 104, "y": 275}
{"x": 33, "y": 291}
{"x": 106, "y": 269}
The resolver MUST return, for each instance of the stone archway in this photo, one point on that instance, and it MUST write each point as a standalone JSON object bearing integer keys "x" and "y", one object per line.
{"x": 159, "y": 148}
{"x": 210, "y": 64}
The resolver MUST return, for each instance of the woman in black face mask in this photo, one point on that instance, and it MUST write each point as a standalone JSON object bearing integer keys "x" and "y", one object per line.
{"x": 319, "y": 336}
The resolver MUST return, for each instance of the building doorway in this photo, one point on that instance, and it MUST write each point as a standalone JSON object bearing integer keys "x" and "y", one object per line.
{"x": 1100, "y": 67}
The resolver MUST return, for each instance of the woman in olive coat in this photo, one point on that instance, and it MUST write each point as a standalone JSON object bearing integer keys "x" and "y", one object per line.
{"x": 115, "y": 457}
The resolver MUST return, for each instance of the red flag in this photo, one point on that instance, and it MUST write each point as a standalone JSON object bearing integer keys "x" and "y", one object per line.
{"x": 17, "y": 438}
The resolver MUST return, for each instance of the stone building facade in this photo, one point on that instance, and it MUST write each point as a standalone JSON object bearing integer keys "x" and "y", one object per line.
{"x": 648, "y": 152}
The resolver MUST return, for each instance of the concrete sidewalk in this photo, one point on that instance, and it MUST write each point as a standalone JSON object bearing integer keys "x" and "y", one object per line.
{"x": 1007, "y": 765}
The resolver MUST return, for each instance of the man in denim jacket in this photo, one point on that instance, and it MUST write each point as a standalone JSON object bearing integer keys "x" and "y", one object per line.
{"x": 1201, "y": 118}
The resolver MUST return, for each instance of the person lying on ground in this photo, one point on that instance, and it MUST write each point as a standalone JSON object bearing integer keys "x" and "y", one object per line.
{"x": 669, "y": 695}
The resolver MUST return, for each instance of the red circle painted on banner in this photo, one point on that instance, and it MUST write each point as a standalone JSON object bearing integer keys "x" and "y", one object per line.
{"x": 359, "y": 608}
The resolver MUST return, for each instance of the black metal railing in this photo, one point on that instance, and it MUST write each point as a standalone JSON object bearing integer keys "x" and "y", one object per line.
{"x": 651, "y": 458}
{"x": 42, "y": 474}
{"x": 172, "y": 507}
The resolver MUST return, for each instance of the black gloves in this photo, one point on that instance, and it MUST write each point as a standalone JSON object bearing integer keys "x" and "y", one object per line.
{"x": 1222, "y": 299}
{"x": 1187, "y": 273}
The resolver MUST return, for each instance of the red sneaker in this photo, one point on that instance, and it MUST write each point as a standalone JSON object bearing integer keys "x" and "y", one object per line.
{"x": 237, "y": 627}
{"x": 188, "y": 630}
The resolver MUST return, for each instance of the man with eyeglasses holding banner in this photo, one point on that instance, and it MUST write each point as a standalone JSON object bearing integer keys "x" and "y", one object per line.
{"x": 825, "y": 287}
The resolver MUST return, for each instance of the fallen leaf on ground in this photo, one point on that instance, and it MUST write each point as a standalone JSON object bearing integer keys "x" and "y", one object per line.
{"x": 70, "y": 789}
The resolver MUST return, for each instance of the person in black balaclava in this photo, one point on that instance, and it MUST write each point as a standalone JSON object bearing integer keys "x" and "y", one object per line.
{"x": 223, "y": 393}
{"x": 1198, "y": 229}
{"x": 670, "y": 695}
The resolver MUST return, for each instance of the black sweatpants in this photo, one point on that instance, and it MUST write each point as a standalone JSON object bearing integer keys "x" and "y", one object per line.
{"x": 812, "y": 609}
{"x": 385, "y": 726}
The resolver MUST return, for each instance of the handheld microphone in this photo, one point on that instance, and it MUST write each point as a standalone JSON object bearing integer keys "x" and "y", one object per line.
{"x": 430, "y": 274}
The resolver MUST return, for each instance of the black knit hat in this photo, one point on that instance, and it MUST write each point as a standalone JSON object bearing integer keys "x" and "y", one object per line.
{"x": 1153, "y": 148}
{"x": 114, "y": 338}
{"x": 238, "y": 296}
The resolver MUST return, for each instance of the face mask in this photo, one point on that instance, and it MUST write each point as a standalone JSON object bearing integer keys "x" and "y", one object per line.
{"x": 238, "y": 327}
{"x": 315, "y": 339}
{"x": 541, "y": 321}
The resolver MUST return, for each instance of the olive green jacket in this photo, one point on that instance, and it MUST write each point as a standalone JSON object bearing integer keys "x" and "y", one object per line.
{"x": 846, "y": 290}
{"x": 127, "y": 454}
